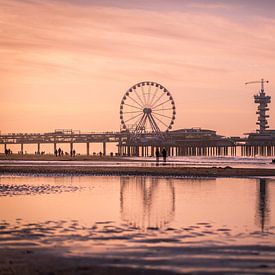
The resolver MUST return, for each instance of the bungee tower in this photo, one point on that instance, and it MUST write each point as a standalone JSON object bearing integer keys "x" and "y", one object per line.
{"x": 263, "y": 100}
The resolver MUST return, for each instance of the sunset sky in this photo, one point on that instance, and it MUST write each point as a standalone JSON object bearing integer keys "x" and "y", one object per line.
{"x": 67, "y": 63}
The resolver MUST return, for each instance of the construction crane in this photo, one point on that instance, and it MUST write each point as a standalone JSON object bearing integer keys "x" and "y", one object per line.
{"x": 262, "y": 81}
{"x": 263, "y": 100}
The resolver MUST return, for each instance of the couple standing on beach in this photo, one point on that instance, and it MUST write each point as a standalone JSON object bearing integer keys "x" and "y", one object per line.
{"x": 163, "y": 153}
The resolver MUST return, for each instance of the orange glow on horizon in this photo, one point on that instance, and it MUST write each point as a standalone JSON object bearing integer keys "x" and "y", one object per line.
{"x": 67, "y": 65}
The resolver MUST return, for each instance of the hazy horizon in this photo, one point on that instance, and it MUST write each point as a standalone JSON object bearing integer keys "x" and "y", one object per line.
{"x": 67, "y": 64}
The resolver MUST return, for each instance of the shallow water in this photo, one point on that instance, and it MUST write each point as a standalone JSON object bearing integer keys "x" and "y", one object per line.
{"x": 88, "y": 214}
{"x": 198, "y": 161}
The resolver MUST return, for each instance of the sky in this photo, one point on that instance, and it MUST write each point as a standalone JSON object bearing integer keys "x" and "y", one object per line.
{"x": 66, "y": 64}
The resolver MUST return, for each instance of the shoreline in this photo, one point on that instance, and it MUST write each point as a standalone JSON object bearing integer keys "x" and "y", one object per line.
{"x": 161, "y": 170}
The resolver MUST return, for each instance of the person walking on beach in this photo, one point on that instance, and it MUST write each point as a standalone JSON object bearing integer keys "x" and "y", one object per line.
{"x": 164, "y": 154}
{"x": 157, "y": 155}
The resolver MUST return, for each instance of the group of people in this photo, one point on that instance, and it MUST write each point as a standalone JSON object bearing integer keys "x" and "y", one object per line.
{"x": 60, "y": 153}
{"x": 8, "y": 152}
{"x": 163, "y": 153}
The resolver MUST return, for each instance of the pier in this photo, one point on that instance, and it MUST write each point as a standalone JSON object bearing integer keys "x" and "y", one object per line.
{"x": 147, "y": 113}
{"x": 184, "y": 142}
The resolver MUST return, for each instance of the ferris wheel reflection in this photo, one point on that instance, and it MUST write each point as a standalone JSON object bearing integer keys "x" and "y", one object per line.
{"x": 147, "y": 202}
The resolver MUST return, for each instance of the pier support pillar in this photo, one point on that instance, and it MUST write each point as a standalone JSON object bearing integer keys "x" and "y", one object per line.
{"x": 54, "y": 148}
{"x": 22, "y": 148}
{"x": 88, "y": 148}
{"x": 38, "y": 148}
{"x": 71, "y": 148}
{"x": 104, "y": 148}
{"x": 5, "y": 147}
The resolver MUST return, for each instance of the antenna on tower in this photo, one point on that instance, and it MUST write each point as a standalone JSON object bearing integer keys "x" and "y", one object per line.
{"x": 263, "y": 100}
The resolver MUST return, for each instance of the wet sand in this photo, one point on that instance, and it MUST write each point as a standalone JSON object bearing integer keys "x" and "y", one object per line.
{"x": 204, "y": 260}
{"x": 161, "y": 170}
{"x": 67, "y": 247}
{"x": 26, "y": 261}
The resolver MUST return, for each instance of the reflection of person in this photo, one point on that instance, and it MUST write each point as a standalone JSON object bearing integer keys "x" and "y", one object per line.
{"x": 164, "y": 154}
{"x": 157, "y": 155}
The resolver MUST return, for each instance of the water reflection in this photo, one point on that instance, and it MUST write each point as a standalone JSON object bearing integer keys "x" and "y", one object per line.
{"x": 263, "y": 204}
{"x": 147, "y": 202}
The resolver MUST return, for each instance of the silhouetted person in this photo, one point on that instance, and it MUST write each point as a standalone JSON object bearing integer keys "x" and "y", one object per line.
{"x": 59, "y": 151}
{"x": 56, "y": 152}
{"x": 71, "y": 153}
{"x": 164, "y": 154}
{"x": 74, "y": 153}
{"x": 157, "y": 154}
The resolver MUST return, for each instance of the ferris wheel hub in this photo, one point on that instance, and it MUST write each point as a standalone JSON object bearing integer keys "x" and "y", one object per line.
{"x": 147, "y": 111}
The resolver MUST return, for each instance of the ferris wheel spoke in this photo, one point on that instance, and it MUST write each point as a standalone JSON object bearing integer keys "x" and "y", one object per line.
{"x": 138, "y": 120}
{"x": 143, "y": 95}
{"x": 149, "y": 94}
{"x": 153, "y": 97}
{"x": 141, "y": 101}
{"x": 156, "y": 101}
{"x": 160, "y": 121}
{"x": 161, "y": 115}
{"x": 132, "y": 112}
{"x": 132, "y": 118}
{"x": 161, "y": 103}
{"x": 165, "y": 109}
{"x": 135, "y": 101}
{"x": 133, "y": 106}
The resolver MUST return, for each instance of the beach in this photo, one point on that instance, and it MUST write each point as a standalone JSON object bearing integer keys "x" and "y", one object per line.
{"x": 114, "y": 165}
{"x": 114, "y": 215}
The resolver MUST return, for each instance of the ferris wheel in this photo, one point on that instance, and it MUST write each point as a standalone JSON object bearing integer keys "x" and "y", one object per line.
{"x": 147, "y": 107}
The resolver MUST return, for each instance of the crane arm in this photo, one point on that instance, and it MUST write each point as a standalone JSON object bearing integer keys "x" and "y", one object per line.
{"x": 262, "y": 81}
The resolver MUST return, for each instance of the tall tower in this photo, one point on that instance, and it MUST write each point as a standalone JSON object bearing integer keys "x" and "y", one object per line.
{"x": 263, "y": 100}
